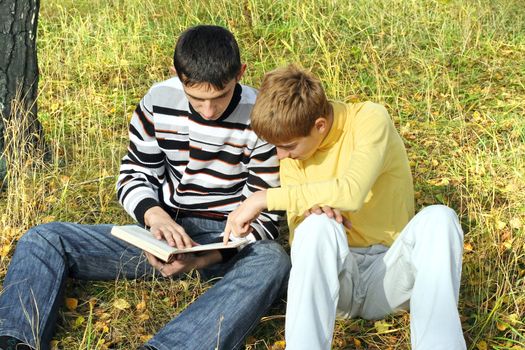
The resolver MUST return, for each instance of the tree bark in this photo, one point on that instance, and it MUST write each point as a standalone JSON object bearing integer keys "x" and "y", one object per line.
{"x": 19, "y": 72}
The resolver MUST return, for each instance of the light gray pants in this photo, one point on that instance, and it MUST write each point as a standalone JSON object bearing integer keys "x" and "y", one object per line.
{"x": 421, "y": 271}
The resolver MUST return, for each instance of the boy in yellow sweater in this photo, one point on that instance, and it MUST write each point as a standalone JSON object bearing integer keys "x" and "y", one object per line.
{"x": 362, "y": 252}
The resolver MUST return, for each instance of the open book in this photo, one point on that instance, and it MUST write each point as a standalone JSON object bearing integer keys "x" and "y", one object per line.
{"x": 143, "y": 239}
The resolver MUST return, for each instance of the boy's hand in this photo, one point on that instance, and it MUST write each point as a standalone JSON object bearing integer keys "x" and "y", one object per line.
{"x": 184, "y": 262}
{"x": 162, "y": 226}
{"x": 331, "y": 213}
{"x": 240, "y": 219}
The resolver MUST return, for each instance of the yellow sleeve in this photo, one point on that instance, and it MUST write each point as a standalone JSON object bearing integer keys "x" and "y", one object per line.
{"x": 348, "y": 192}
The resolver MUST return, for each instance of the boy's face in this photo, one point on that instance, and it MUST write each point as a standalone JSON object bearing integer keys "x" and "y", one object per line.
{"x": 302, "y": 148}
{"x": 209, "y": 102}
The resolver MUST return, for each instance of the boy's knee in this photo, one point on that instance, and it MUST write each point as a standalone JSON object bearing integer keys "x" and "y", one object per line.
{"x": 440, "y": 212}
{"x": 272, "y": 260}
{"x": 274, "y": 255}
{"x": 441, "y": 228}
{"x": 44, "y": 233}
{"x": 318, "y": 236}
{"x": 315, "y": 227}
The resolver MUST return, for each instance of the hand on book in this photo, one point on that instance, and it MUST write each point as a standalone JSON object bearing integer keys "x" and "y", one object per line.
{"x": 162, "y": 226}
{"x": 331, "y": 213}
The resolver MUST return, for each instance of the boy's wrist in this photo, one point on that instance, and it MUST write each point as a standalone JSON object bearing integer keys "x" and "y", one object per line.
{"x": 260, "y": 200}
{"x": 151, "y": 212}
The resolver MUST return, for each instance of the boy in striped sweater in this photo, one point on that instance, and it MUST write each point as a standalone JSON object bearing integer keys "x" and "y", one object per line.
{"x": 192, "y": 158}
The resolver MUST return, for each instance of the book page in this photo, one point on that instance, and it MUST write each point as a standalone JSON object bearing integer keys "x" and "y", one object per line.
{"x": 143, "y": 239}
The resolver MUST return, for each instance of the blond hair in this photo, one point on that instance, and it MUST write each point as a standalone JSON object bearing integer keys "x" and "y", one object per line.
{"x": 289, "y": 102}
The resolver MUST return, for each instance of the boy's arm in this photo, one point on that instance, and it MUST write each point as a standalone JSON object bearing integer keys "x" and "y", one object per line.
{"x": 349, "y": 191}
{"x": 346, "y": 193}
{"x": 263, "y": 173}
{"x": 142, "y": 169}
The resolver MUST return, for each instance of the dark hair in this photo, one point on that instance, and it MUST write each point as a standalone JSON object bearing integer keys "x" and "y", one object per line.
{"x": 207, "y": 54}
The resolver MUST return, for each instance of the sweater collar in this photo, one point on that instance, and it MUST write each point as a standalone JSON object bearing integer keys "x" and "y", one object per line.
{"x": 336, "y": 129}
{"x": 236, "y": 99}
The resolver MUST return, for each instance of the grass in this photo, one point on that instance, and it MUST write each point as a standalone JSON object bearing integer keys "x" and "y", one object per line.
{"x": 450, "y": 73}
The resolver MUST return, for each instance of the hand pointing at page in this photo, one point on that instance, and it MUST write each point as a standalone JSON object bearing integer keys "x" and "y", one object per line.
{"x": 239, "y": 220}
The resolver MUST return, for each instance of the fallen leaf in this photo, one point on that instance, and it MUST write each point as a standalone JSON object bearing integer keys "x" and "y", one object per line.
{"x": 4, "y": 251}
{"x": 143, "y": 317}
{"x": 514, "y": 319}
{"x": 78, "y": 322}
{"x": 500, "y": 225}
{"x": 71, "y": 304}
{"x": 121, "y": 304}
{"x": 382, "y": 326}
{"x": 515, "y": 223}
{"x": 145, "y": 337}
{"x": 501, "y": 326}
{"x": 141, "y": 305}
{"x": 278, "y": 345}
{"x": 482, "y": 345}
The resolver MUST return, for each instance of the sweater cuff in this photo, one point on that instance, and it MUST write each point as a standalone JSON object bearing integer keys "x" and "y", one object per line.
{"x": 276, "y": 199}
{"x": 142, "y": 207}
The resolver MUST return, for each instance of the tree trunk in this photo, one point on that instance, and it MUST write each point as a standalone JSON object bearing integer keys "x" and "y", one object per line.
{"x": 19, "y": 74}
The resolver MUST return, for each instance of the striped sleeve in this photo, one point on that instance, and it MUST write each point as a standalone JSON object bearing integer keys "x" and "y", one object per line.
{"x": 263, "y": 173}
{"x": 142, "y": 168}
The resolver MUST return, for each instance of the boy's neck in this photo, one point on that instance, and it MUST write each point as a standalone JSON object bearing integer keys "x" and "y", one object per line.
{"x": 330, "y": 122}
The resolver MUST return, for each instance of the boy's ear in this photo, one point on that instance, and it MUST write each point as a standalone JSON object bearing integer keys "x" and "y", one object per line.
{"x": 173, "y": 71}
{"x": 321, "y": 125}
{"x": 241, "y": 72}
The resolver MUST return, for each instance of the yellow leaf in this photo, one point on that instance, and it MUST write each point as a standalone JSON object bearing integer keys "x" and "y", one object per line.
{"x": 48, "y": 218}
{"x": 4, "y": 251}
{"x": 78, "y": 322}
{"x": 357, "y": 343}
{"x": 145, "y": 337}
{"x": 382, "y": 326}
{"x": 279, "y": 344}
{"x": 143, "y": 317}
{"x": 500, "y": 225}
{"x": 514, "y": 319}
{"x": 102, "y": 326}
{"x": 467, "y": 247}
{"x": 121, "y": 304}
{"x": 482, "y": 345}
{"x": 507, "y": 244}
{"x": 141, "y": 305}
{"x": 64, "y": 179}
{"x": 501, "y": 326}
{"x": 515, "y": 223}
{"x": 71, "y": 304}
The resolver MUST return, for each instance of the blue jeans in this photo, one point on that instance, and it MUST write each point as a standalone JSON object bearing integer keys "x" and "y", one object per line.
{"x": 47, "y": 254}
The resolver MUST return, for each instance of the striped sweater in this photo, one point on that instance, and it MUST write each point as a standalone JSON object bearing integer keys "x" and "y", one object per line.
{"x": 192, "y": 166}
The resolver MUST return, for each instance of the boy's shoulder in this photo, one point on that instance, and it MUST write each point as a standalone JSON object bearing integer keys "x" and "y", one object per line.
{"x": 367, "y": 108}
{"x": 249, "y": 94}
{"x": 367, "y": 112}
{"x": 172, "y": 83}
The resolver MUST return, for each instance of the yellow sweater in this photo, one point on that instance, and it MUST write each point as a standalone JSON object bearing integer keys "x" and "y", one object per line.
{"x": 361, "y": 167}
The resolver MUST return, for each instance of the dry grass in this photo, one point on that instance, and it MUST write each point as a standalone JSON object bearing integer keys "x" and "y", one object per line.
{"x": 450, "y": 73}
